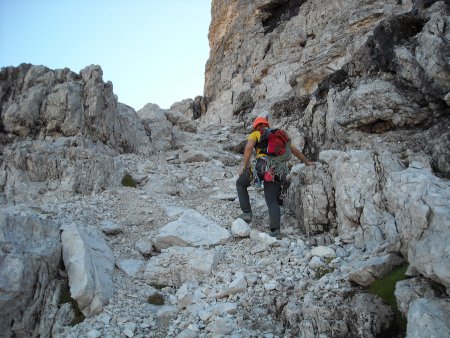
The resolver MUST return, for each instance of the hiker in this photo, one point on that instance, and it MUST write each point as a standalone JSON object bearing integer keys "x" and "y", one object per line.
{"x": 272, "y": 169}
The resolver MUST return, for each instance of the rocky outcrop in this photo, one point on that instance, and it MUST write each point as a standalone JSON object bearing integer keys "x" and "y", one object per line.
{"x": 37, "y": 102}
{"x": 60, "y": 133}
{"x": 41, "y": 170}
{"x": 266, "y": 50}
{"x": 157, "y": 126}
{"x": 347, "y": 75}
{"x": 378, "y": 205}
{"x": 191, "y": 108}
{"x": 30, "y": 253}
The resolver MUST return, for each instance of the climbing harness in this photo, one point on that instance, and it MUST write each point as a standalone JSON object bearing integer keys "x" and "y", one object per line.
{"x": 278, "y": 165}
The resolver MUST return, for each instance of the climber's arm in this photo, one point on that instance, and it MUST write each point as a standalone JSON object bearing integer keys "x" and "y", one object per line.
{"x": 297, "y": 153}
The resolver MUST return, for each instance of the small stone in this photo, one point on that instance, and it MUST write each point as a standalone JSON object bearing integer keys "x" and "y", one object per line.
{"x": 94, "y": 334}
{"x": 324, "y": 252}
{"x": 110, "y": 228}
{"x": 129, "y": 329}
{"x": 145, "y": 248}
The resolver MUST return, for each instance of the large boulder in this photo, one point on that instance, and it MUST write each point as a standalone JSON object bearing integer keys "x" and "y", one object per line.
{"x": 176, "y": 265}
{"x": 420, "y": 203}
{"x": 191, "y": 229}
{"x": 89, "y": 263}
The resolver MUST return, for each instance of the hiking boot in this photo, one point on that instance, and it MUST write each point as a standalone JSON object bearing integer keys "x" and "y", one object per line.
{"x": 246, "y": 216}
{"x": 275, "y": 233}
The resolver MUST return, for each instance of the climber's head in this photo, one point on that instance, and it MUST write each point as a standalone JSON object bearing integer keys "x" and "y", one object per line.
{"x": 260, "y": 122}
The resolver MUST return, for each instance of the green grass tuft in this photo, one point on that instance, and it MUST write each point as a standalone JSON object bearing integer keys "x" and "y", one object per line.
{"x": 322, "y": 271}
{"x": 128, "y": 181}
{"x": 385, "y": 287}
{"x": 156, "y": 299}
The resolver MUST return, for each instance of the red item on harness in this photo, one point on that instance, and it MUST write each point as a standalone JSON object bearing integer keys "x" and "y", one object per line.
{"x": 269, "y": 176}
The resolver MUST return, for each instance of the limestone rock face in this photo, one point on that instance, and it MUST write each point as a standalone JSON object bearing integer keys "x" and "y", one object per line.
{"x": 421, "y": 205}
{"x": 269, "y": 49}
{"x": 157, "y": 126}
{"x": 40, "y": 170}
{"x": 354, "y": 74}
{"x": 39, "y": 102}
{"x": 191, "y": 108}
{"x": 30, "y": 253}
{"x": 60, "y": 133}
{"x": 365, "y": 273}
{"x": 409, "y": 290}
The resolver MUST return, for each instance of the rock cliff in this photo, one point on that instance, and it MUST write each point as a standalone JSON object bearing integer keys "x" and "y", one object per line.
{"x": 347, "y": 74}
{"x": 133, "y": 214}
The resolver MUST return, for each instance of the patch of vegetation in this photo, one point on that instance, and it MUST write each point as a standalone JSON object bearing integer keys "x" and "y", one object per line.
{"x": 128, "y": 181}
{"x": 66, "y": 298}
{"x": 156, "y": 299}
{"x": 384, "y": 288}
{"x": 322, "y": 271}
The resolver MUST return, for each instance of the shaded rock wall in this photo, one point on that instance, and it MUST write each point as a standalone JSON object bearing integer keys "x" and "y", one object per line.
{"x": 30, "y": 254}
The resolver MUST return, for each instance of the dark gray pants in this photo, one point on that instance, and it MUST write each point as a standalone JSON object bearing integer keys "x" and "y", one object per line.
{"x": 271, "y": 192}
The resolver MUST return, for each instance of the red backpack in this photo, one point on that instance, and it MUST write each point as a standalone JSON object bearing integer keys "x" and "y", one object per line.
{"x": 276, "y": 141}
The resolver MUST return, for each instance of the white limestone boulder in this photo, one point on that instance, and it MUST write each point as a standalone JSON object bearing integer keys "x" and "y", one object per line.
{"x": 323, "y": 251}
{"x": 176, "y": 265}
{"x": 191, "y": 229}
{"x": 89, "y": 263}
{"x": 157, "y": 126}
{"x": 179, "y": 119}
{"x": 218, "y": 309}
{"x": 361, "y": 215}
{"x": 130, "y": 266}
{"x": 420, "y": 203}
{"x": 366, "y": 272}
{"x": 110, "y": 228}
{"x": 411, "y": 289}
{"x": 239, "y": 284}
{"x": 240, "y": 228}
{"x": 191, "y": 156}
{"x": 145, "y": 248}
{"x": 263, "y": 238}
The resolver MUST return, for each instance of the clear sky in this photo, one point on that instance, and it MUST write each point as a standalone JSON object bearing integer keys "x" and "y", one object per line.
{"x": 153, "y": 51}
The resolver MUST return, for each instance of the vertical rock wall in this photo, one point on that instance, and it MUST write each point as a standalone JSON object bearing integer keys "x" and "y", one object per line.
{"x": 366, "y": 86}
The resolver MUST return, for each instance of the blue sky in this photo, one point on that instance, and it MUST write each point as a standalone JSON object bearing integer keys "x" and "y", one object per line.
{"x": 153, "y": 51}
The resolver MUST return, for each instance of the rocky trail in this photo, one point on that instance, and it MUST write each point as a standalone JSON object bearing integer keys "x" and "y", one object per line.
{"x": 245, "y": 293}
